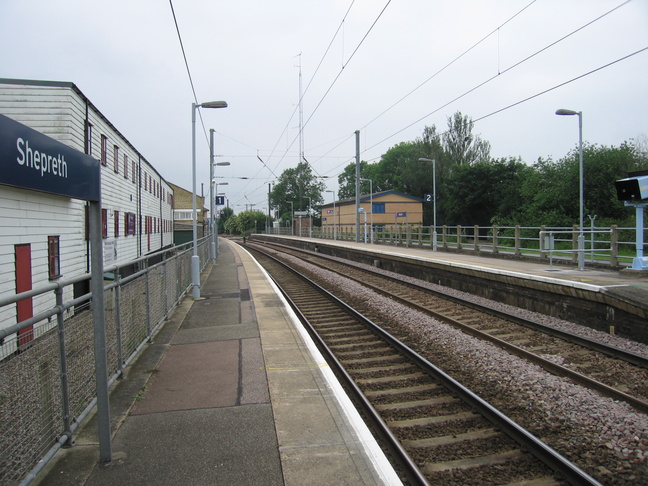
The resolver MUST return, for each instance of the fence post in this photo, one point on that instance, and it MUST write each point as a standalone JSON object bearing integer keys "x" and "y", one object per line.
{"x": 444, "y": 237}
{"x": 65, "y": 388}
{"x": 495, "y": 240}
{"x": 543, "y": 253}
{"x": 614, "y": 246}
{"x": 518, "y": 250}
{"x": 476, "y": 237}
{"x": 458, "y": 237}
{"x": 147, "y": 279}
{"x": 574, "y": 257}
{"x": 118, "y": 330}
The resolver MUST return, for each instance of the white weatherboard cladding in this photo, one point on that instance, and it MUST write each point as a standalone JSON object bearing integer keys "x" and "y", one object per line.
{"x": 30, "y": 217}
{"x": 27, "y": 217}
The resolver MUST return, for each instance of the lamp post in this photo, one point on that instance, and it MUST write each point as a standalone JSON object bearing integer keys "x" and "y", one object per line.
{"x": 371, "y": 203}
{"x": 334, "y": 214}
{"x": 195, "y": 260}
{"x": 434, "y": 230}
{"x": 214, "y": 188}
{"x": 212, "y": 215}
{"x": 581, "y": 210}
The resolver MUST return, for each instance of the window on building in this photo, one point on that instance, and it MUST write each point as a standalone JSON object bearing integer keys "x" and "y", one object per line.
{"x": 116, "y": 223}
{"x": 125, "y": 166}
{"x": 88, "y": 139}
{"x": 53, "y": 257}
{"x": 378, "y": 208}
{"x": 129, "y": 223}
{"x": 104, "y": 150}
{"x": 104, "y": 223}
{"x": 116, "y": 158}
{"x": 133, "y": 172}
{"x": 183, "y": 215}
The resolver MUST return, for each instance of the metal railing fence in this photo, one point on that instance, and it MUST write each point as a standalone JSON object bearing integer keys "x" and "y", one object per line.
{"x": 47, "y": 376}
{"x": 611, "y": 246}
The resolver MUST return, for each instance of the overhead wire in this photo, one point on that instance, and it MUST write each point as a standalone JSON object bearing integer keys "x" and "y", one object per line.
{"x": 476, "y": 44}
{"x": 338, "y": 76}
{"x": 310, "y": 82}
{"x": 474, "y": 88}
{"x": 184, "y": 55}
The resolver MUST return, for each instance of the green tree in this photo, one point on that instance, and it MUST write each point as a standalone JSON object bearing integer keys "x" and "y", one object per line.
{"x": 483, "y": 193}
{"x": 246, "y": 222}
{"x": 346, "y": 179}
{"x": 296, "y": 185}
{"x": 225, "y": 214}
{"x": 459, "y": 143}
{"x": 550, "y": 193}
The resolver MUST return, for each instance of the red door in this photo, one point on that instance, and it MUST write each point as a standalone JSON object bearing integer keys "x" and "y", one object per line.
{"x": 25, "y": 309}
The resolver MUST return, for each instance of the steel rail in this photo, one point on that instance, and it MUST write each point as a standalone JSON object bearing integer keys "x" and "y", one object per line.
{"x": 542, "y": 451}
{"x": 607, "y": 349}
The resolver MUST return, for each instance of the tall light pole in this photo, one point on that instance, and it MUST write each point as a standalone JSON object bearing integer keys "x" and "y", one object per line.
{"x": 212, "y": 215}
{"x": 434, "y": 230}
{"x": 334, "y": 214}
{"x": 581, "y": 210}
{"x": 195, "y": 260}
{"x": 214, "y": 188}
{"x": 371, "y": 203}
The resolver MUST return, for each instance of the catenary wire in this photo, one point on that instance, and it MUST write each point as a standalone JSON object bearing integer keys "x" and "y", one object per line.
{"x": 337, "y": 77}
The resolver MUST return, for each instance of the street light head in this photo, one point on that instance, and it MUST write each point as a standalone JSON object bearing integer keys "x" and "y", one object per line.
{"x": 214, "y": 104}
{"x": 222, "y": 163}
{"x": 425, "y": 160}
{"x": 562, "y": 111}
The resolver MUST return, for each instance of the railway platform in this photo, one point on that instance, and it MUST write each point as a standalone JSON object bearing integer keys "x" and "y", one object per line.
{"x": 593, "y": 291}
{"x": 230, "y": 391}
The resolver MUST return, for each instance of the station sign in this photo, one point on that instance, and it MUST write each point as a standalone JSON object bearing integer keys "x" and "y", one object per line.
{"x": 301, "y": 213}
{"x": 220, "y": 200}
{"x": 401, "y": 214}
{"x": 31, "y": 160}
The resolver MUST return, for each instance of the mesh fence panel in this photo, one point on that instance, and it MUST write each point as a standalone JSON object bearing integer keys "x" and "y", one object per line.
{"x": 156, "y": 293}
{"x": 133, "y": 315}
{"x": 30, "y": 406}
{"x": 31, "y": 392}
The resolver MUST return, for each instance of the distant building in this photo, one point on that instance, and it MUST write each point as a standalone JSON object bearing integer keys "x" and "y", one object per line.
{"x": 381, "y": 208}
{"x": 44, "y": 236}
{"x": 183, "y": 215}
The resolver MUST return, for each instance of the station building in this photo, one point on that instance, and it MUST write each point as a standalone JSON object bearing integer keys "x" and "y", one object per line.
{"x": 384, "y": 208}
{"x": 183, "y": 215}
{"x": 44, "y": 237}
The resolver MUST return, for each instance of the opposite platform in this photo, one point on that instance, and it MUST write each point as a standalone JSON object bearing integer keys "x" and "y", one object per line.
{"x": 230, "y": 391}
{"x": 606, "y": 300}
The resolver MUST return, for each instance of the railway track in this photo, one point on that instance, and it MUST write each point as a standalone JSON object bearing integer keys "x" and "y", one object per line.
{"x": 437, "y": 431}
{"x": 608, "y": 370}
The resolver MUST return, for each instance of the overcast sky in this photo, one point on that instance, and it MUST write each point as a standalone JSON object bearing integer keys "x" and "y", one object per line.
{"x": 393, "y": 68}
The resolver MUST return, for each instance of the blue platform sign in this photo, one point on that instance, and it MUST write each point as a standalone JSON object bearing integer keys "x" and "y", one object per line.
{"x": 31, "y": 160}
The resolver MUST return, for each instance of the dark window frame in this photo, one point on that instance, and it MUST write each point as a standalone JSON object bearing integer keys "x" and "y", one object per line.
{"x": 54, "y": 257}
